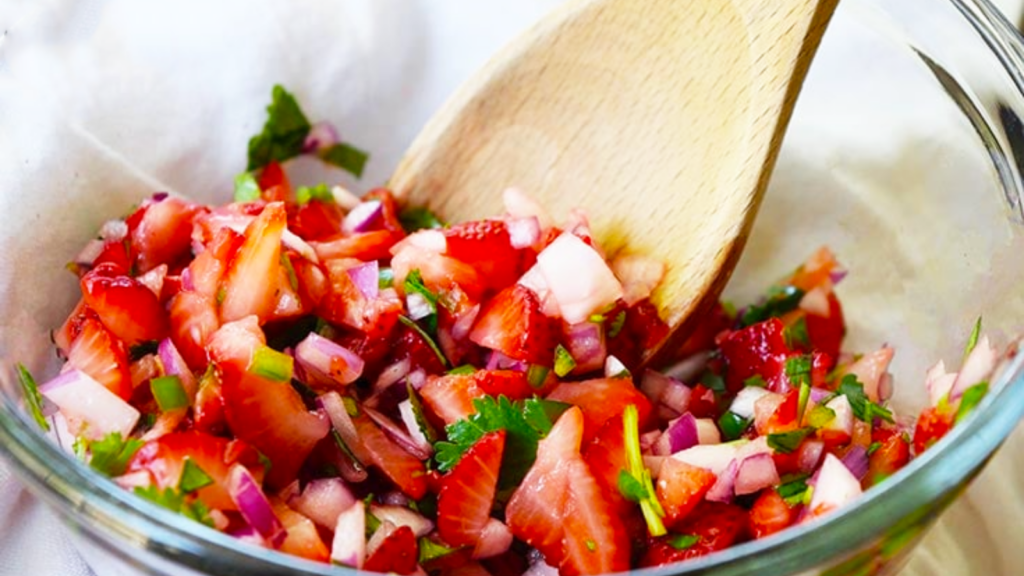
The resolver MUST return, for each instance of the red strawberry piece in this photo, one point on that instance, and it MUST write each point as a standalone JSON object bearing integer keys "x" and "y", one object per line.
{"x": 163, "y": 234}
{"x": 509, "y": 383}
{"x": 366, "y": 246}
{"x": 821, "y": 365}
{"x": 784, "y": 419}
{"x": 602, "y": 399}
{"x": 193, "y": 321}
{"x": 130, "y": 310}
{"x": 101, "y": 355}
{"x": 268, "y": 415}
{"x": 402, "y": 468}
{"x": 536, "y": 512}
{"x": 303, "y": 539}
{"x": 398, "y": 553}
{"x": 717, "y": 526}
{"x": 757, "y": 350}
{"x": 345, "y": 305}
{"x": 770, "y": 514}
{"x": 450, "y": 397}
{"x": 274, "y": 184}
{"x": 315, "y": 220}
{"x": 245, "y": 285}
{"x": 486, "y": 246}
{"x": 893, "y": 453}
{"x": 826, "y": 332}
{"x": 467, "y": 492}
{"x": 513, "y": 324}
{"x": 389, "y": 210}
{"x": 312, "y": 280}
{"x": 208, "y": 410}
{"x": 441, "y": 274}
{"x": 703, "y": 403}
{"x": 641, "y": 330}
{"x": 595, "y": 540}
{"x": 69, "y": 330}
{"x": 680, "y": 488}
{"x": 164, "y": 458}
{"x": 207, "y": 269}
{"x": 116, "y": 253}
{"x": 605, "y": 455}
{"x": 410, "y": 344}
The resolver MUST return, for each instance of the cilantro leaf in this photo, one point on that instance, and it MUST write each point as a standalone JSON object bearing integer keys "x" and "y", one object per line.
{"x": 820, "y": 416}
{"x": 284, "y": 132}
{"x": 713, "y": 382}
{"x": 33, "y": 399}
{"x": 426, "y": 338}
{"x": 796, "y": 334}
{"x": 110, "y": 456}
{"x": 176, "y": 502}
{"x": 431, "y": 550}
{"x": 971, "y": 397}
{"x": 617, "y": 323}
{"x": 683, "y": 541}
{"x": 756, "y": 380}
{"x": 193, "y": 477}
{"x": 798, "y": 369}
{"x": 778, "y": 301}
{"x": 873, "y": 447}
{"x": 794, "y": 491}
{"x": 347, "y": 157}
{"x": 564, "y": 362}
{"x": 973, "y": 340}
{"x": 418, "y": 218}
{"x": 414, "y": 285}
{"x": 788, "y": 442}
{"x": 536, "y": 375}
{"x": 542, "y": 414}
{"x": 631, "y": 488}
{"x": 733, "y": 425}
{"x": 863, "y": 408}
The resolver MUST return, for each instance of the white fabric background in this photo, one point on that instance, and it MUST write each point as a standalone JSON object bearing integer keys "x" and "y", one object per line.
{"x": 419, "y": 49}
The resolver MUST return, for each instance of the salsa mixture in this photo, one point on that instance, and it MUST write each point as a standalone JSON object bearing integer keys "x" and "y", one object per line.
{"x": 352, "y": 381}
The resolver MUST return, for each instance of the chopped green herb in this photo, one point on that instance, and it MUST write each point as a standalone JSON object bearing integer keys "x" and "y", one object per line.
{"x": 863, "y": 408}
{"x": 110, "y": 456}
{"x": 617, "y": 323}
{"x": 33, "y": 399}
{"x": 796, "y": 335}
{"x": 788, "y": 442}
{"x": 874, "y": 447}
{"x": 631, "y": 488}
{"x": 798, "y": 369}
{"x": 421, "y": 418}
{"x": 414, "y": 285}
{"x": 426, "y": 338}
{"x": 193, "y": 477}
{"x": 683, "y": 541}
{"x": 430, "y": 550}
{"x": 713, "y": 382}
{"x": 465, "y": 369}
{"x": 372, "y": 522}
{"x": 820, "y": 416}
{"x": 175, "y": 501}
{"x": 289, "y": 270}
{"x": 536, "y": 375}
{"x": 794, "y": 491}
{"x": 320, "y": 192}
{"x": 542, "y": 414}
{"x": 284, "y": 133}
{"x": 973, "y": 340}
{"x": 756, "y": 380}
{"x": 802, "y": 397}
{"x": 564, "y": 362}
{"x": 778, "y": 301}
{"x": 971, "y": 397}
{"x": 729, "y": 308}
{"x": 247, "y": 189}
{"x": 385, "y": 278}
{"x": 649, "y": 506}
{"x": 733, "y": 425}
{"x": 347, "y": 157}
{"x": 273, "y": 365}
{"x": 418, "y": 218}
{"x": 168, "y": 392}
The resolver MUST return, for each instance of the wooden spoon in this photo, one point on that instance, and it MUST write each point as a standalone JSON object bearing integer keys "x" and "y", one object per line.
{"x": 661, "y": 118}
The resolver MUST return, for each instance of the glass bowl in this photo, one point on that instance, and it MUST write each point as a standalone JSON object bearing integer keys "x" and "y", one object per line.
{"x": 910, "y": 171}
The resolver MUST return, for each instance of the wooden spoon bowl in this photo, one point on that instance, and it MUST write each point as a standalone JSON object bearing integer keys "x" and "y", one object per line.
{"x": 661, "y": 118}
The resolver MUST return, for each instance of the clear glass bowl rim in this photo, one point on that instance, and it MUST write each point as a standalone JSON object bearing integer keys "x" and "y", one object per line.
{"x": 85, "y": 497}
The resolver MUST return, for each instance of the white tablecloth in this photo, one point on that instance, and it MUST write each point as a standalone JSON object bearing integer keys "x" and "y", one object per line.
{"x": 435, "y": 43}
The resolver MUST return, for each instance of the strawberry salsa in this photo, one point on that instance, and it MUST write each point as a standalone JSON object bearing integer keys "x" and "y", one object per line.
{"x": 351, "y": 381}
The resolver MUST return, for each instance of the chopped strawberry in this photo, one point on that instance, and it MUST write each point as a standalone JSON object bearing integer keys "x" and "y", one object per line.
{"x": 892, "y": 454}
{"x": 606, "y": 457}
{"x": 450, "y": 397}
{"x": 303, "y": 538}
{"x": 116, "y": 253}
{"x": 245, "y": 285}
{"x": 268, "y": 415}
{"x": 402, "y": 468}
{"x": 99, "y": 354}
{"x": 784, "y": 419}
{"x": 130, "y": 310}
{"x": 602, "y": 399}
{"x": 441, "y": 274}
{"x": 757, "y": 350}
{"x": 389, "y": 210}
{"x": 274, "y": 184}
{"x": 536, "y": 512}
{"x": 815, "y": 271}
{"x": 467, "y": 492}
{"x": 69, "y": 330}
{"x": 207, "y": 269}
{"x": 513, "y": 324}
{"x": 595, "y": 540}
{"x": 826, "y": 332}
{"x": 193, "y": 321}
{"x": 163, "y": 235}
{"x": 716, "y": 525}
{"x": 509, "y": 383}
{"x": 344, "y": 304}
{"x": 398, "y": 553}
{"x": 315, "y": 220}
{"x": 770, "y": 514}
{"x": 680, "y": 488}
{"x": 411, "y": 344}
{"x": 312, "y": 281}
{"x": 208, "y": 410}
{"x": 164, "y": 458}
{"x": 486, "y": 246}
{"x": 375, "y": 245}
{"x": 933, "y": 423}
{"x": 642, "y": 329}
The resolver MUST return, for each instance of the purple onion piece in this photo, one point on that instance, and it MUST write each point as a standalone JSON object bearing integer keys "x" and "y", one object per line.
{"x": 364, "y": 217}
{"x": 175, "y": 365}
{"x": 819, "y": 394}
{"x": 836, "y": 276}
{"x": 160, "y": 196}
{"x": 254, "y": 505}
{"x": 756, "y": 473}
{"x": 723, "y": 489}
{"x": 366, "y": 277}
{"x": 856, "y": 461}
{"x": 397, "y": 435}
{"x": 682, "y": 433}
{"x": 321, "y": 136}
{"x": 328, "y": 359}
{"x": 810, "y": 455}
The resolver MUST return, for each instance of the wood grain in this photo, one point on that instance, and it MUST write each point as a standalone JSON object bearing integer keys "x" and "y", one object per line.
{"x": 661, "y": 118}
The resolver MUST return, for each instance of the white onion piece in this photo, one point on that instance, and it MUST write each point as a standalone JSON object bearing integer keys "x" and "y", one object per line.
{"x": 429, "y": 239}
{"x": 409, "y": 419}
{"x": 578, "y": 277}
{"x": 869, "y": 369}
{"x": 939, "y": 382}
{"x": 300, "y": 246}
{"x": 816, "y": 302}
{"x": 417, "y": 306}
{"x": 394, "y": 498}
{"x": 399, "y": 436}
{"x": 523, "y": 232}
{"x": 743, "y": 404}
{"x": 707, "y": 431}
{"x": 613, "y": 367}
{"x": 496, "y": 539}
{"x": 344, "y": 198}
{"x": 82, "y": 399}
{"x": 366, "y": 277}
{"x": 464, "y": 322}
{"x": 381, "y": 534}
{"x": 756, "y": 473}
{"x": 713, "y": 457}
{"x": 403, "y": 516}
{"x": 392, "y": 374}
{"x": 254, "y": 506}
{"x": 639, "y": 276}
{"x": 519, "y": 204}
{"x": 753, "y": 447}
{"x": 363, "y": 217}
{"x": 328, "y": 359}
{"x": 349, "y": 546}
{"x": 724, "y": 488}
{"x": 534, "y": 280}
{"x": 843, "y": 420}
{"x": 647, "y": 441}
{"x": 978, "y": 366}
{"x": 539, "y": 567}
{"x": 132, "y": 480}
{"x": 835, "y": 487}
{"x": 114, "y": 230}
{"x": 323, "y": 500}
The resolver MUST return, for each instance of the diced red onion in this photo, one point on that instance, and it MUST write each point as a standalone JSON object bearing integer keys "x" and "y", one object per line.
{"x": 464, "y": 323}
{"x": 639, "y": 276}
{"x": 81, "y": 398}
{"x": 399, "y": 436}
{"x": 518, "y": 204}
{"x": 114, "y": 230}
{"x": 394, "y": 498}
{"x": 187, "y": 284}
{"x": 144, "y": 369}
{"x": 364, "y": 217}
{"x": 713, "y": 457}
{"x": 756, "y": 473}
{"x": 254, "y": 506}
{"x": 174, "y": 364}
{"x": 977, "y": 367}
{"x": 300, "y": 246}
{"x": 613, "y": 367}
{"x": 409, "y": 419}
{"x": 754, "y": 447}
{"x": 689, "y": 368}
{"x": 332, "y": 403}
{"x": 809, "y": 455}
{"x": 523, "y": 232}
{"x": 366, "y": 277}
{"x": 417, "y": 378}
{"x": 707, "y": 431}
{"x": 938, "y": 382}
{"x": 323, "y": 500}
{"x": 160, "y": 196}
{"x": 856, "y": 461}
{"x": 349, "y": 546}
{"x": 499, "y": 361}
{"x": 321, "y": 136}
{"x": 578, "y": 277}
{"x": 403, "y": 516}
{"x": 834, "y": 487}
{"x": 837, "y": 275}
{"x": 723, "y": 490}
{"x": 585, "y": 341}
{"x": 680, "y": 435}
{"x": 496, "y": 539}
{"x": 743, "y": 404}
{"x": 764, "y": 407}
{"x": 538, "y": 567}
{"x": 392, "y": 375}
{"x": 248, "y": 534}
{"x": 344, "y": 198}
{"x": 328, "y": 359}
{"x": 816, "y": 302}
{"x": 647, "y": 441}
{"x": 90, "y": 252}
{"x": 819, "y": 394}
